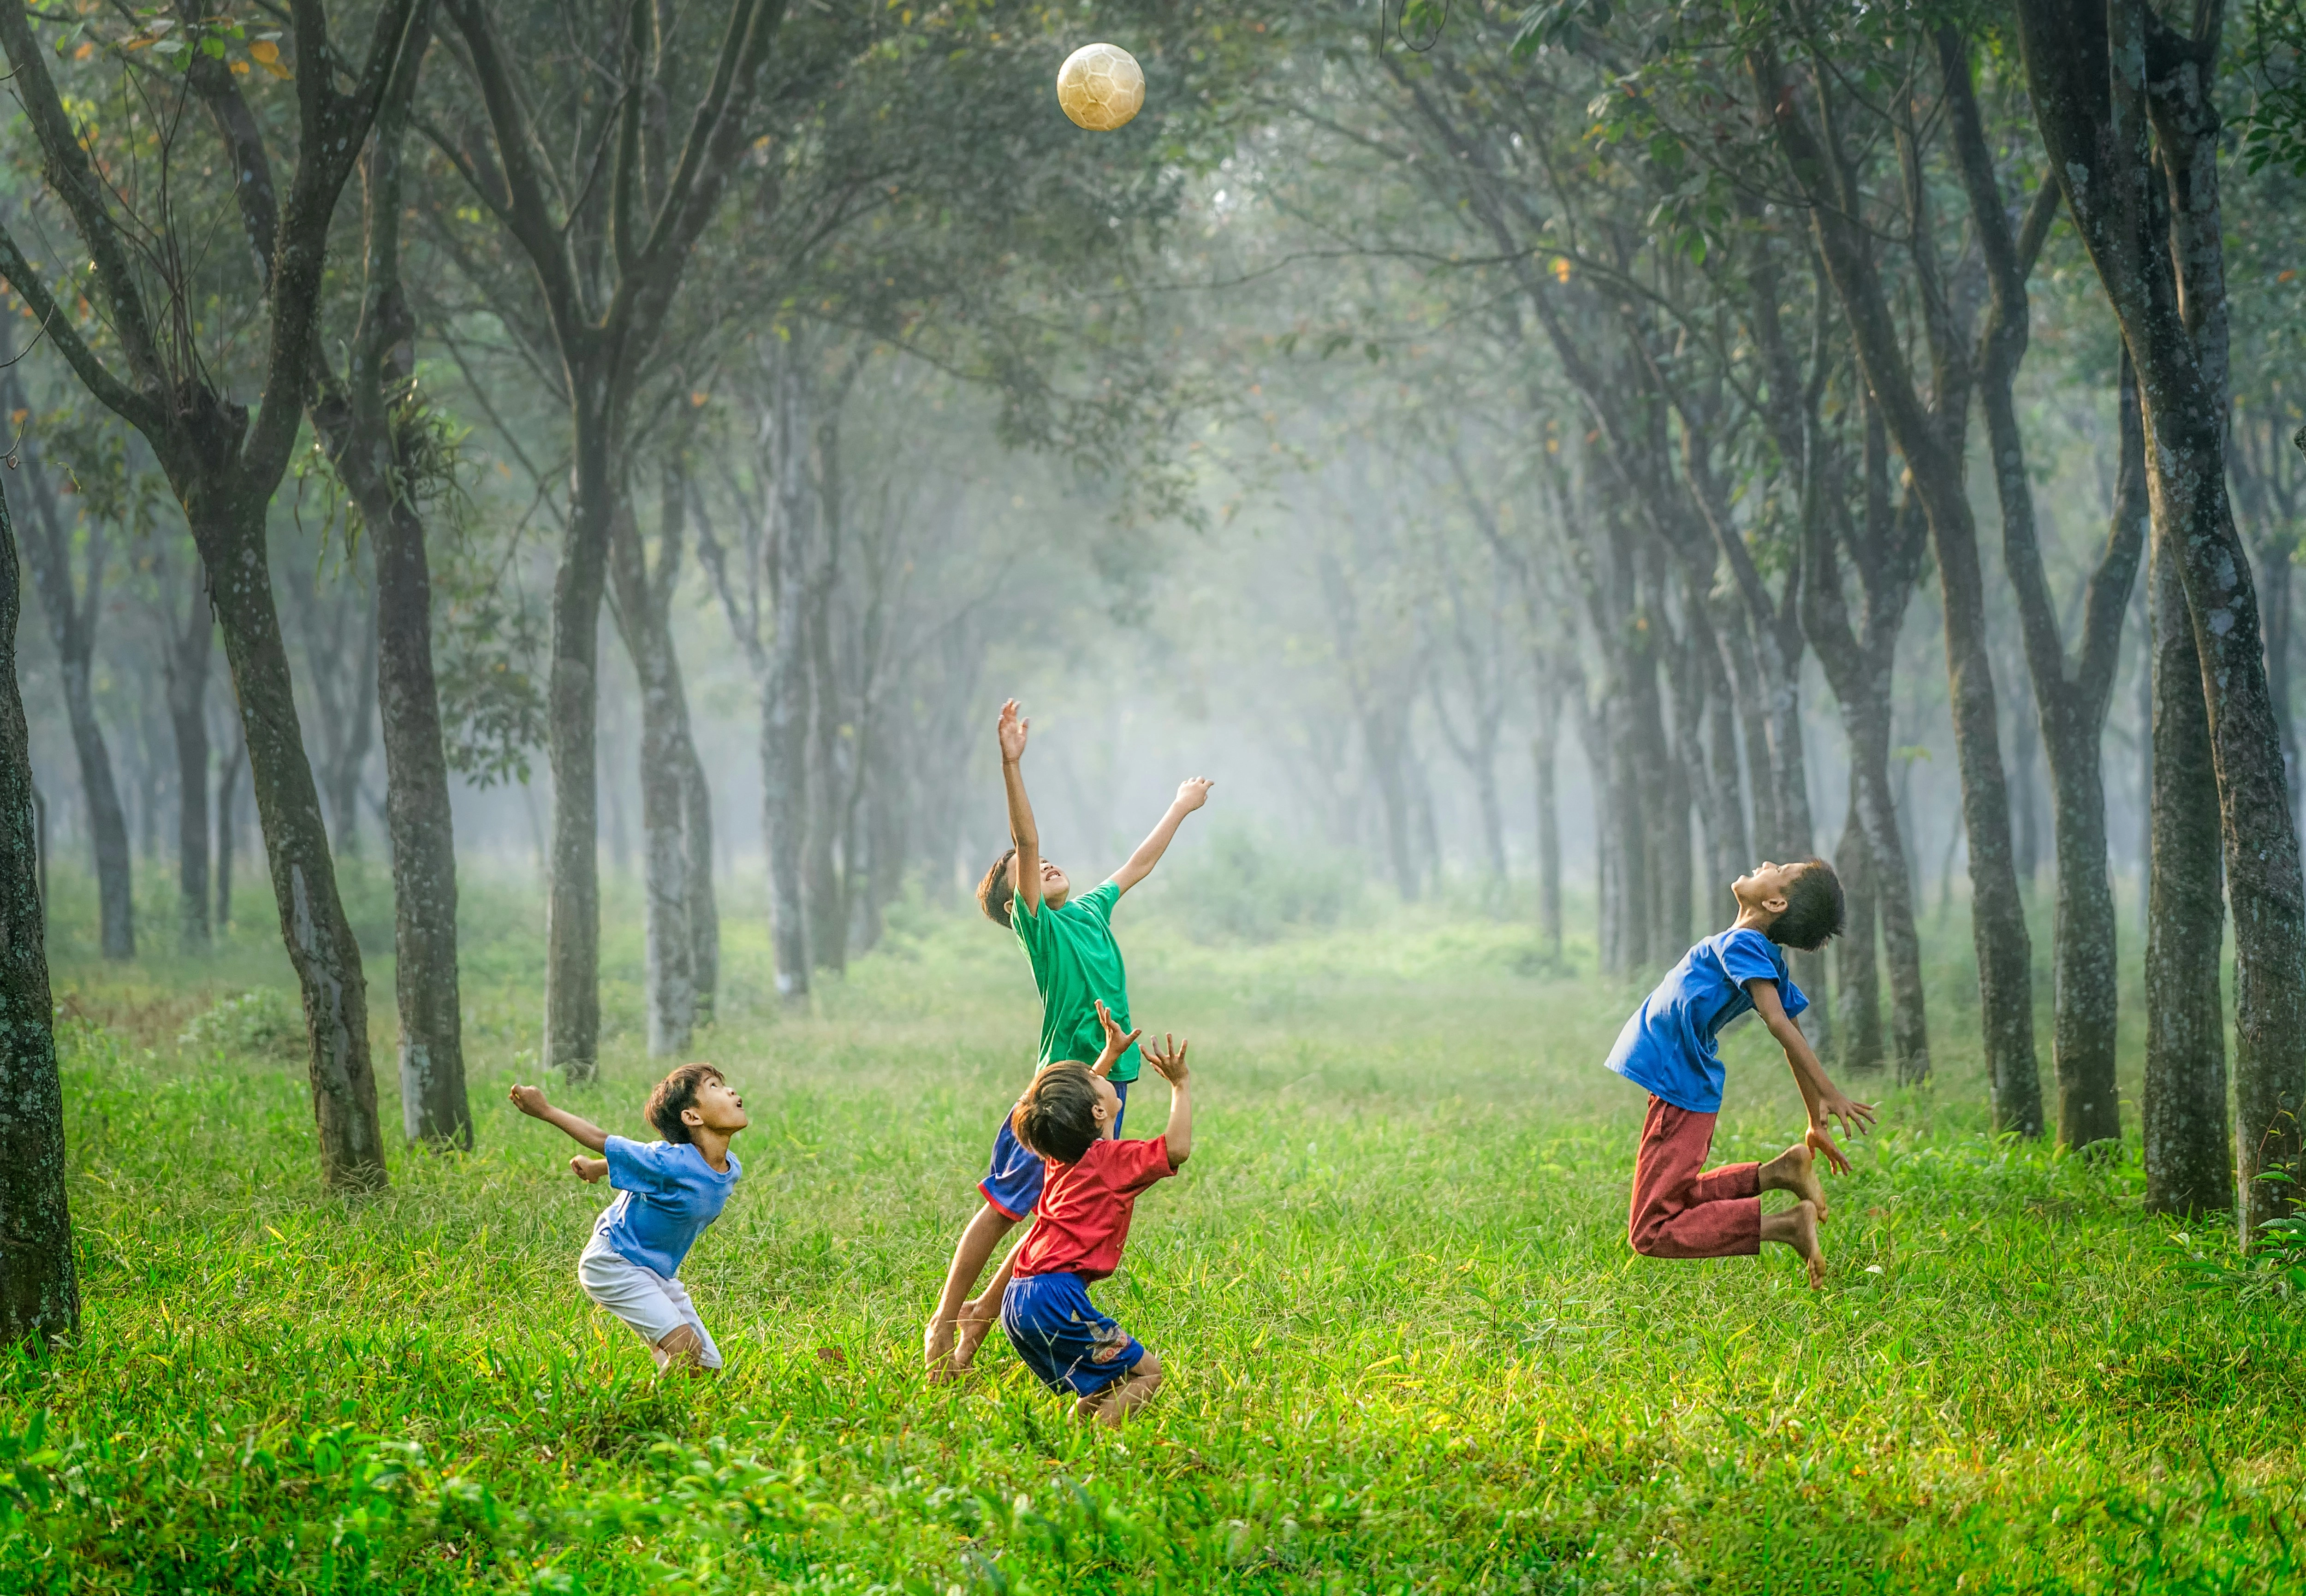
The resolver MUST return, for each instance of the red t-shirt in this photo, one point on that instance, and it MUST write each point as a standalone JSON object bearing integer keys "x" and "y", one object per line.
{"x": 1082, "y": 1218}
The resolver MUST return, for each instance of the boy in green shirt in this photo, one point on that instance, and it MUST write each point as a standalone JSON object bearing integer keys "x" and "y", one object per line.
{"x": 1076, "y": 966}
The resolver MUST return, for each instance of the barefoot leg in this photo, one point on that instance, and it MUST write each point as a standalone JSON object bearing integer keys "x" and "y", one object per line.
{"x": 1797, "y": 1227}
{"x": 1795, "y": 1170}
{"x": 1115, "y": 1403}
{"x": 977, "y": 1244}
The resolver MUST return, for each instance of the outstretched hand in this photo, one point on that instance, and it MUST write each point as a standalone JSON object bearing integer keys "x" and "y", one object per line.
{"x": 1193, "y": 791}
{"x": 1835, "y": 1107}
{"x": 1011, "y": 732}
{"x": 530, "y": 1100}
{"x": 1169, "y": 1059}
{"x": 1820, "y": 1143}
{"x": 1115, "y": 1043}
{"x": 589, "y": 1169}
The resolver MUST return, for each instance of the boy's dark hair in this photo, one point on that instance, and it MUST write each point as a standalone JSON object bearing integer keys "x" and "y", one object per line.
{"x": 1815, "y": 909}
{"x": 1057, "y": 1116}
{"x": 994, "y": 892}
{"x": 674, "y": 1093}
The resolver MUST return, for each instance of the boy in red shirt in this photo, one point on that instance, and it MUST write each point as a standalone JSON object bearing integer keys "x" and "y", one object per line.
{"x": 1068, "y": 1116}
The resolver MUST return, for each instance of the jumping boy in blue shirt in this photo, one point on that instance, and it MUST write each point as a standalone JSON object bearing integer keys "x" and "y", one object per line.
{"x": 1076, "y": 966}
{"x": 1668, "y": 1047}
{"x": 667, "y": 1192}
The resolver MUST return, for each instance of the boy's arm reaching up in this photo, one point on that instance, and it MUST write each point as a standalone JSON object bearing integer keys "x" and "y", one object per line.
{"x": 1022, "y": 830}
{"x": 1826, "y": 1102}
{"x": 1115, "y": 1043}
{"x": 1171, "y": 1062}
{"x": 1191, "y": 794}
{"x": 530, "y": 1101}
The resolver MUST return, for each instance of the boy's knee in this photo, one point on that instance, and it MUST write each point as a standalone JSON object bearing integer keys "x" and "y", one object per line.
{"x": 1645, "y": 1233}
{"x": 1146, "y": 1367}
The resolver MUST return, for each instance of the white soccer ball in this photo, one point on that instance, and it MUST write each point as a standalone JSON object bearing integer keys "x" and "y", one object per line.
{"x": 1100, "y": 87}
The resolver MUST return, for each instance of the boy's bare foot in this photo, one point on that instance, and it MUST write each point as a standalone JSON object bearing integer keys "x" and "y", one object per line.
{"x": 1797, "y": 1228}
{"x": 977, "y": 1321}
{"x": 1795, "y": 1170}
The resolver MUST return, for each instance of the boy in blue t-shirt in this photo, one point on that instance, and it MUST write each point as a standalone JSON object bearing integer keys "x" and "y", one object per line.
{"x": 1077, "y": 967}
{"x": 667, "y": 1192}
{"x": 1668, "y": 1047}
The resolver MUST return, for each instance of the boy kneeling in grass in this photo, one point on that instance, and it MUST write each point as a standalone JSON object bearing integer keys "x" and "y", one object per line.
{"x": 667, "y": 1192}
{"x": 1667, "y": 1046}
{"x": 1068, "y": 1116}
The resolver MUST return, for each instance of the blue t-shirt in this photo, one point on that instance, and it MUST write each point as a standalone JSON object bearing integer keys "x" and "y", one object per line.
{"x": 667, "y": 1195}
{"x": 1667, "y": 1043}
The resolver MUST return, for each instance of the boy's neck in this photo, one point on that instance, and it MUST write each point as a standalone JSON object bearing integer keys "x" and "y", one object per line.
{"x": 714, "y": 1146}
{"x": 1754, "y": 919}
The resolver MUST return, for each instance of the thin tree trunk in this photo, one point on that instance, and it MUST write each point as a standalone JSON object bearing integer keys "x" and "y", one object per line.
{"x": 784, "y": 691}
{"x": 361, "y": 425}
{"x": 40, "y": 1292}
{"x": 1543, "y": 744}
{"x": 228, "y": 829}
{"x": 2188, "y": 1169}
{"x": 71, "y": 616}
{"x": 703, "y": 907}
{"x": 187, "y": 675}
{"x": 319, "y": 941}
{"x": 1858, "y": 985}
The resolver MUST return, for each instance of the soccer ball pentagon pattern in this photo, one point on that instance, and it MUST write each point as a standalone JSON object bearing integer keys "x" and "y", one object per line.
{"x": 1100, "y": 87}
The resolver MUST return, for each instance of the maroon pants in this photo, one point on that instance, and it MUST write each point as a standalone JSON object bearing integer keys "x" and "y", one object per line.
{"x": 1680, "y": 1212}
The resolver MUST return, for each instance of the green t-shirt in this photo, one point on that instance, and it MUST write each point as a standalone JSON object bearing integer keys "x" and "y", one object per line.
{"x": 1076, "y": 962}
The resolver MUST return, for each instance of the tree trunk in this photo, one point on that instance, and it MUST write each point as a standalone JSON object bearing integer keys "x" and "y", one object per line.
{"x": 229, "y": 528}
{"x": 72, "y": 628}
{"x": 187, "y": 675}
{"x": 703, "y": 907}
{"x": 2188, "y": 1169}
{"x": 1542, "y": 745}
{"x": 228, "y": 829}
{"x": 666, "y": 758}
{"x": 572, "y": 915}
{"x": 1928, "y": 437}
{"x": 422, "y": 826}
{"x": 1858, "y": 985}
{"x": 39, "y": 1292}
{"x": 2025, "y": 799}
{"x": 784, "y": 689}
{"x": 2149, "y": 215}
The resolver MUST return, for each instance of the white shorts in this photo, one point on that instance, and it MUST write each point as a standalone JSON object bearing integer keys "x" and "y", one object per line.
{"x": 652, "y": 1305}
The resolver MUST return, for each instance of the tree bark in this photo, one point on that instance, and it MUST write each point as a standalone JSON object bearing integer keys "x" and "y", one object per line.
{"x": 2187, "y": 1167}
{"x": 187, "y": 673}
{"x": 1858, "y": 985}
{"x": 40, "y": 1292}
{"x": 227, "y": 830}
{"x": 1543, "y": 743}
{"x": 2101, "y": 80}
{"x": 671, "y": 798}
{"x": 784, "y": 692}
{"x": 71, "y": 612}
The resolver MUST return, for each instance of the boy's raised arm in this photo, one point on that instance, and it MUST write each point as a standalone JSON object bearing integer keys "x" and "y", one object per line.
{"x": 1191, "y": 794}
{"x": 530, "y": 1101}
{"x": 1115, "y": 1043}
{"x": 1826, "y": 1102}
{"x": 1022, "y": 830}
{"x": 1169, "y": 1059}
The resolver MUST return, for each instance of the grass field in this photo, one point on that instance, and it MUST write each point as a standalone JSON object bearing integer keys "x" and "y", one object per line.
{"x": 1409, "y": 1348}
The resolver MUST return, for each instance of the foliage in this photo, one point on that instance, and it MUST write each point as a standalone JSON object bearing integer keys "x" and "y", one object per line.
{"x": 263, "y": 1023}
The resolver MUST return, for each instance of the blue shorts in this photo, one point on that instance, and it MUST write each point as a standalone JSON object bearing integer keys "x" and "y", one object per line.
{"x": 1013, "y": 1179}
{"x": 1057, "y": 1330}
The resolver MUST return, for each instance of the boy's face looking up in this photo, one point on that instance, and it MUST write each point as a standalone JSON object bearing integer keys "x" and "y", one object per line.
{"x": 1761, "y": 891}
{"x": 717, "y": 1108}
{"x": 1055, "y": 886}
